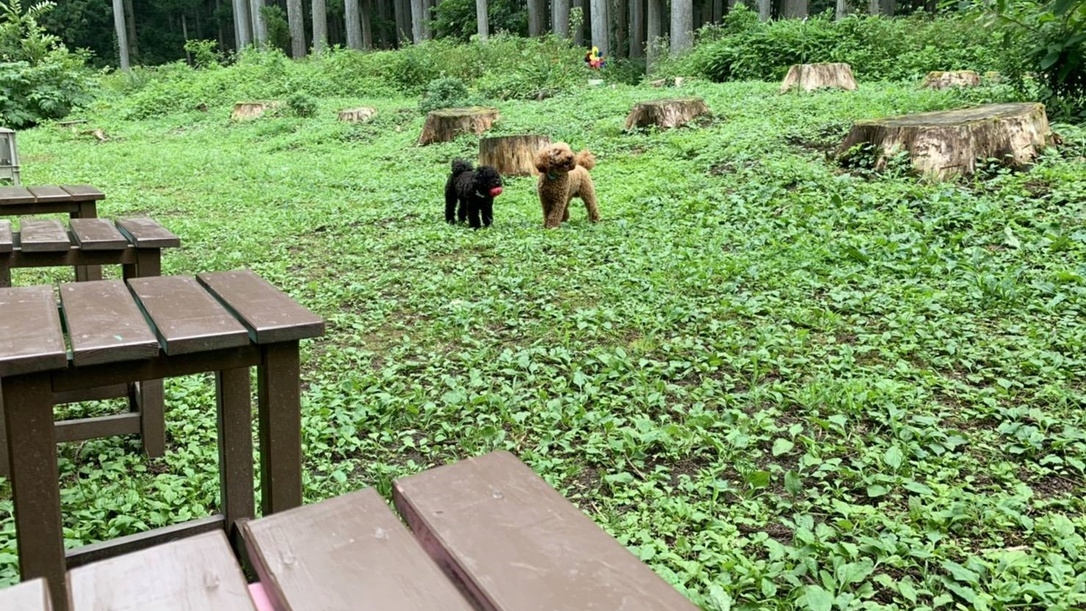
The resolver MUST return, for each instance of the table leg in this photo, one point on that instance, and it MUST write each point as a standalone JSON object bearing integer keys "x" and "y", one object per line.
{"x": 83, "y": 273}
{"x": 279, "y": 396}
{"x": 149, "y": 395}
{"x": 35, "y": 491}
{"x": 4, "y": 470}
{"x": 235, "y": 445}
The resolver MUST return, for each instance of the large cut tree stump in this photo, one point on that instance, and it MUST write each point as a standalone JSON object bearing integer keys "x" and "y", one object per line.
{"x": 356, "y": 115}
{"x": 953, "y": 78}
{"x": 448, "y": 123}
{"x": 949, "y": 142}
{"x": 511, "y": 155}
{"x": 809, "y": 77}
{"x": 666, "y": 113}
{"x": 251, "y": 110}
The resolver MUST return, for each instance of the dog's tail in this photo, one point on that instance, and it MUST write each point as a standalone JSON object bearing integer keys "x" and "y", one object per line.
{"x": 459, "y": 166}
{"x": 586, "y": 159}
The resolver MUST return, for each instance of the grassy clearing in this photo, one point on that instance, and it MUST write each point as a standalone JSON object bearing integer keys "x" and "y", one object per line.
{"x": 782, "y": 385}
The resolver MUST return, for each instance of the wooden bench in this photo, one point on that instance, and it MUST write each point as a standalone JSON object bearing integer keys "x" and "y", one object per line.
{"x": 77, "y": 201}
{"x": 136, "y": 245}
{"x": 150, "y": 329}
{"x": 488, "y": 533}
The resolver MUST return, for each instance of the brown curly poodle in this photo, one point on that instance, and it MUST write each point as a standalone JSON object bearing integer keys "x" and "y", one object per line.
{"x": 563, "y": 176}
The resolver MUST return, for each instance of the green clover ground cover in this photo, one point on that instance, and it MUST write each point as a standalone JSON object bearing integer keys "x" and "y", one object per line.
{"x": 782, "y": 385}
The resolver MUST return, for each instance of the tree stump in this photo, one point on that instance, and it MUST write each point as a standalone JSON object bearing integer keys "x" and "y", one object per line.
{"x": 446, "y": 124}
{"x": 818, "y": 76}
{"x": 356, "y": 115}
{"x": 946, "y": 143}
{"x": 244, "y": 111}
{"x": 511, "y": 155}
{"x": 666, "y": 114}
{"x": 954, "y": 78}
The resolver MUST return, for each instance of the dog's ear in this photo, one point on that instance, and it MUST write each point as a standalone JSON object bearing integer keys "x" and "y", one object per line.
{"x": 542, "y": 160}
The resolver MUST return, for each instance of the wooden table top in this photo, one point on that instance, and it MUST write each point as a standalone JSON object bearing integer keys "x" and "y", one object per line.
{"x": 49, "y": 194}
{"x": 111, "y": 321}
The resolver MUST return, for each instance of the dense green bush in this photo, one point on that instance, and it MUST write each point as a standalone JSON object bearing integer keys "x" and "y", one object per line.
{"x": 445, "y": 92}
{"x": 39, "y": 78}
{"x": 744, "y": 48}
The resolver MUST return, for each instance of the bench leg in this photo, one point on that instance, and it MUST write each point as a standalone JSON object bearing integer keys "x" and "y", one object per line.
{"x": 280, "y": 418}
{"x": 5, "y": 272}
{"x": 5, "y": 471}
{"x": 235, "y": 446}
{"x": 35, "y": 491}
{"x": 83, "y": 273}
{"x": 150, "y": 404}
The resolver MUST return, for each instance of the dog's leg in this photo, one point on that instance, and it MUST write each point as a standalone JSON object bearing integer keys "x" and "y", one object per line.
{"x": 462, "y": 211}
{"x": 473, "y": 215}
{"x": 555, "y": 215}
{"x": 488, "y": 212}
{"x": 450, "y": 204}
{"x": 588, "y": 196}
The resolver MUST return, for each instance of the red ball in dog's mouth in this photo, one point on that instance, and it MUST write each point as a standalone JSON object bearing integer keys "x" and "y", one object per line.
{"x": 496, "y": 191}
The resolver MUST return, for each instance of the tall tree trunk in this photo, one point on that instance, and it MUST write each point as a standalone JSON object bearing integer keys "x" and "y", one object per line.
{"x": 655, "y": 28}
{"x": 367, "y": 24}
{"x": 682, "y": 26}
{"x": 578, "y": 32}
{"x": 185, "y": 37}
{"x": 842, "y": 10}
{"x": 418, "y": 16}
{"x": 637, "y": 28}
{"x": 536, "y": 18}
{"x": 122, "y": 33}
{"x": 794, "y": 9}
{"x": 242, "y": 31}
{"x": 482, "y": 20}
{"x": 622, "y": 26}
{"x": 560, "y": 18}
{"x": 888, "y": 7}
{"x": 320, "y": 25}
{"x": 718, "y": 10}
{"x": 218, "y": 26}
{"x": 873, "y": 7}
{"x": 600, "y": 26}
{"x": 296, "y": 24}
{"x": 260, "y": 26}
{"x": 765, "y": 9}
{"x": 402, "y": 10}
{"x": 130, "y": 25}
{"x": 354, "y": 24}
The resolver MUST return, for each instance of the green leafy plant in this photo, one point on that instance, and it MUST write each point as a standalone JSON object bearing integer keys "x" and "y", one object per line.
{"x": 445, "y": 92}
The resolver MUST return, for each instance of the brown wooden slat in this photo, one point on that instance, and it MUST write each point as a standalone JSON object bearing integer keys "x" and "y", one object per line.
{"x": 43, "y": 235}
{"x": 269, "y": 314}
{"x": 145, "y": 233}
{"x": 517, "y": 545}
{"x": 104, "y": 323}
{"x": 99, "y": 426}
{"x": 97, "y": 234}
{"x": 194, "y": 574}
{"x": 144, "y": 540}
{"x": 84, "y": 193}
{"x": 27, "y": 596}
{"x": 6, "y": 243}
{"x": 187, "y": 319}
{"x": 15, "y": 195}
{"x": 348, "y": 552}
{"x": 49, "y": 194}
{"x": 30, "y": 335}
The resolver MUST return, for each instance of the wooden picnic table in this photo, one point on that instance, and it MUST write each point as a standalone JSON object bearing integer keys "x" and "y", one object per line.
{"x": 78, "y": 201}
{"x": 486, "y": 533}
{"x": 149, "y": 329}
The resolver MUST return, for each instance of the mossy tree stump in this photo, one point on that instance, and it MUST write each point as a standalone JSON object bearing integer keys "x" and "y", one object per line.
{"x": 244, "y": 111}
{"x": 666, "y": 114}
{"x": 809, "y": 77}
{"x": 356, "y": 115}
{"x": 511, "y": 155}
{"x": 446, "y": 124}
{"x": 948, "y": 143}
{"x": 953, "y": 78}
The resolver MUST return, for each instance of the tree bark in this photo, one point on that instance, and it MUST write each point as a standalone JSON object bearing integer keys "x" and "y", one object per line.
{"x": 682, "y": 26}
{"x": 260, "y": 26}
{"x": 948, "y": 143}
{"x": 242, "y": 31}
{"x": 560, "y": 18}
{"x": 622, "y": 27}
{"x": 512, "y": 155}
{"x": 130, "y": 24}
{"x": 600, "y": 26}
{"x": 666, "y": 114}
{"x": 418, "y": 16}
{"x": 353, "y": 21}
{"x": 809, "y": 77}
{"x": 402, "y": 12}
{"x": 296, "y": 23}
{"x": 655, "y": 24}
{"x": 536, "y": 19}
{"x": 367, "y": 24}
{"x": 446, "y": 124}
{"x": 482, "y": 19}
{"x": 637, "y": 28}
{"x": 954, "y": 78}
{"x": 841, "y": 10}
{"x": 578, "y": 32}
{"x": 320, "y": 26}
{"x": 765, "y": 9}
{"x": 122, "y": 34}
{"x": 794, "y": 9}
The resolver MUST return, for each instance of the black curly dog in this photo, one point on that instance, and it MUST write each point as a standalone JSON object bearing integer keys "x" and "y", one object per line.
{"x": 475, "y": 189}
